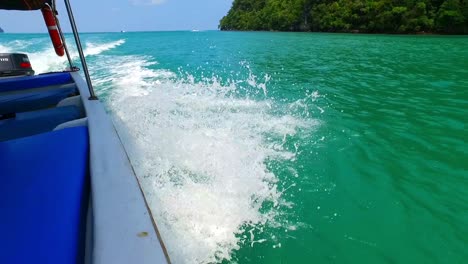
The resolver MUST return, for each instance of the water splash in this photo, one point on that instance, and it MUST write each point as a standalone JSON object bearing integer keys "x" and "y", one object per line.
{"x": 200, "y": 153}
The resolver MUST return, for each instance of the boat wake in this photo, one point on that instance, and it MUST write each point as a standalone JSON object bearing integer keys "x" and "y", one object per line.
{"x": 96, "y": 49}
{"x": 41, "y": 52}
{"x": 201, "y": 150}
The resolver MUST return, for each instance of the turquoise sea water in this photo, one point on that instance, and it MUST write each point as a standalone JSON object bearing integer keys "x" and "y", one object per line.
{"x": 290, "y": 147}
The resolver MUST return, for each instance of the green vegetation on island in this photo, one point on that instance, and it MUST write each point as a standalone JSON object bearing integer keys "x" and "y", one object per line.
{"x": 370, "y": 16}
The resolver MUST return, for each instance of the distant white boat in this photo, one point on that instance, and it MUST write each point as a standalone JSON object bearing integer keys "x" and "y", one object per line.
{"x": 122, "y": 31}
{"x": 195, "y": 30}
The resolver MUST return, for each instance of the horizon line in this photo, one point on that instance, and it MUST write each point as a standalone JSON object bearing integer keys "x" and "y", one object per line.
{"x": 124, "y": 31}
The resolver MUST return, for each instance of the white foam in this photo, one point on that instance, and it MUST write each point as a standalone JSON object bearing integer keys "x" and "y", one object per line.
{"x": 16, "y": 44}
{"x": 130, "y": 72}
{"x": 4, "y": 49}
{"x": 200, "y": 155}
{"x": 95, "y": 49}
{"x": 46, "y": 61}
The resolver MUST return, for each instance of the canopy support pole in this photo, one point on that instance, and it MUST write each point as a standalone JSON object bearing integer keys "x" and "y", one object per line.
{"x": 80, "y": 50}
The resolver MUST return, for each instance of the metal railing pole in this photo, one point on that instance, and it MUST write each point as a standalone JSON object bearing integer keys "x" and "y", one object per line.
{"x": 80, "y": 50}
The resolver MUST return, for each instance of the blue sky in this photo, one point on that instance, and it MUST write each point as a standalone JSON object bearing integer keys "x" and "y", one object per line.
{"x": 130, "y": 15}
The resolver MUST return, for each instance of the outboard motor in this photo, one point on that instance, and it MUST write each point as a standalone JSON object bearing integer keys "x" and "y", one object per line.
{"x": 15, "y": 64}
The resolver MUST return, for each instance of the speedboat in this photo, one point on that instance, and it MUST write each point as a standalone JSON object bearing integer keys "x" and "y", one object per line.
{"x": 69, "y": 193}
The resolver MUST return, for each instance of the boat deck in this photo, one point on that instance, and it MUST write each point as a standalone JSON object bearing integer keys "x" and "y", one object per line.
{"x": 44, "y": 156}
{"x": 69, "y": 193}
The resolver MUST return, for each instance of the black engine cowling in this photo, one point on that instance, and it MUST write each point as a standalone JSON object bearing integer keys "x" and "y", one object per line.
{"x": 15, "y": 64}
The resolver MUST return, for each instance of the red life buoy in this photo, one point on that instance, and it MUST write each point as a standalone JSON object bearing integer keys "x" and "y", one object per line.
{"x": 53, "y": 30}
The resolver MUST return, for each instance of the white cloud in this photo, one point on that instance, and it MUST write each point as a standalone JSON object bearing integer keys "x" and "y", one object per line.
{"x": 147, "y": 2}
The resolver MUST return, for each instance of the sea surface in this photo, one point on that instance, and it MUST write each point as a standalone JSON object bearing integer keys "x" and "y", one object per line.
{"x": 289, "y": 147}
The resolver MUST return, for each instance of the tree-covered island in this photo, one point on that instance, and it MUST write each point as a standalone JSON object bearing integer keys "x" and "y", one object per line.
{"x": 369, "y": 16}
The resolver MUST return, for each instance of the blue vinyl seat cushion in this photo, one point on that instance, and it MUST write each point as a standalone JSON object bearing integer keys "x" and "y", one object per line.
{"x": 35, "y": 122}
{"x": 33, "y": 99}
{"x": 44, "y": 197}
{"x": 28, "y": 82}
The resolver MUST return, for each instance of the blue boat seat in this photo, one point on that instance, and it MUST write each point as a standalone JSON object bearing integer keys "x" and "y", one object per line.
{"x": 34, "y": 98}
{"x": 35, "y": 122}
{"x": 44, "y": 197}
{"x": 28, "y": 82}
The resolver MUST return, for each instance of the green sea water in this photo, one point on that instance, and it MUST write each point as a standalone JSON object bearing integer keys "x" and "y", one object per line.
{"x": 258, "y": 147}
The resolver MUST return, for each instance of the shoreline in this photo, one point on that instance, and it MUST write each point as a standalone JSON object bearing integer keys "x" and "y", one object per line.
{"x": 421, "y": 33}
